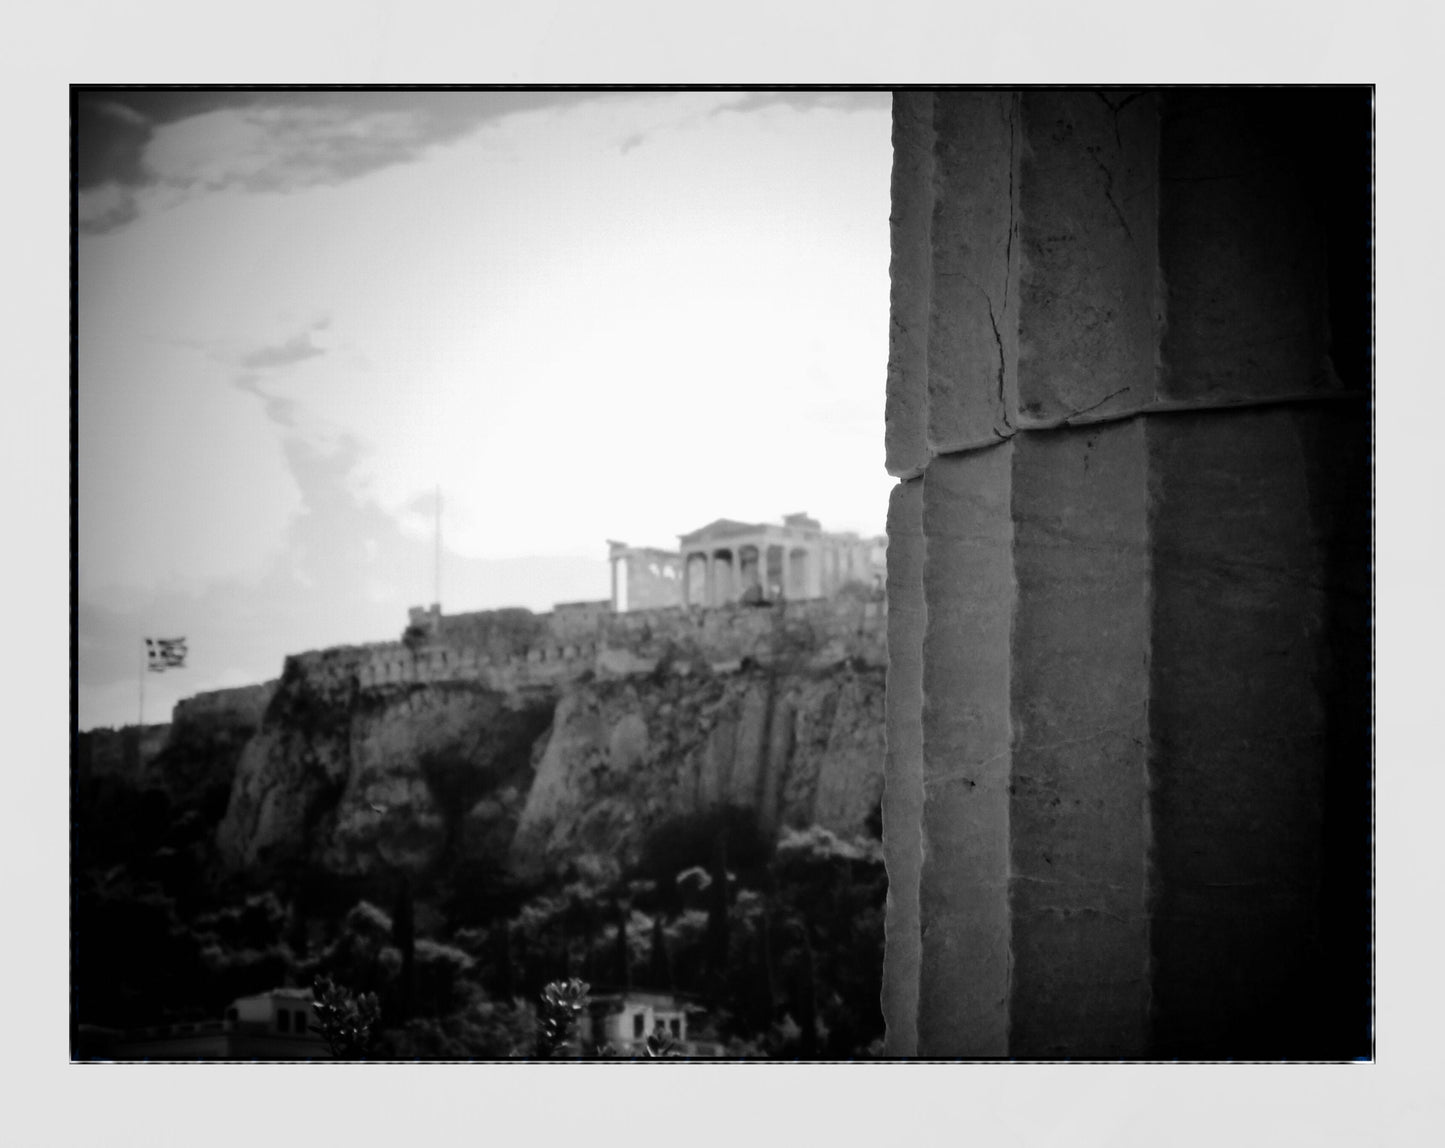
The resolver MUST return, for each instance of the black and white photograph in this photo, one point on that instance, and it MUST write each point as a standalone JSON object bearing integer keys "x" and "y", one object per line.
{"x": 768, "y": 580}
{"x": 493, "y": 703}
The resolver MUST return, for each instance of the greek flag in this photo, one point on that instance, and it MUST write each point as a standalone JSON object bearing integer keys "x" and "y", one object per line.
{"x": 164, "y": 654}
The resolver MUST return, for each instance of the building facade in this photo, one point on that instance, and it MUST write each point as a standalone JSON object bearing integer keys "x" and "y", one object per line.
{"x": 625, "y": 1020}
{"x": 275, "y": 1025}
{"x": 729, "y": 561}
{"x": 644, "y": 578}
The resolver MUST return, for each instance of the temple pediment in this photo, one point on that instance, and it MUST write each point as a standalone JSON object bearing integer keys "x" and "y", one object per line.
{"x": 722, "y": 528}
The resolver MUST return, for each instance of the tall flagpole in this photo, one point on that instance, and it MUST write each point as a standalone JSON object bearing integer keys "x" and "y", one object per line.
{"x": 438, "y": 598}
{"x": 142, "y": 714}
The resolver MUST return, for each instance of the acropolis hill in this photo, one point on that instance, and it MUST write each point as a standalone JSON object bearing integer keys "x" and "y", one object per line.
{"x": 530, "y": 740}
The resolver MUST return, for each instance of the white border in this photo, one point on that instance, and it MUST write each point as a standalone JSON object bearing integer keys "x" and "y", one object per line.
{"x": 1397, "y": 1101}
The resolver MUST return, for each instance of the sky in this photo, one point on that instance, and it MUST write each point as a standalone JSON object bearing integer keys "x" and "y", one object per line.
{"x": 580, "y": 316}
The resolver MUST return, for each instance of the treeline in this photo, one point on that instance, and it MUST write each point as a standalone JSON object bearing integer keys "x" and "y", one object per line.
{"x": 776, "y": 944}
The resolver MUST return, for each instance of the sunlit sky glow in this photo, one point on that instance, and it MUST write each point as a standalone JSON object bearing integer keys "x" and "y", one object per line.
{"x": 582, "y": 316}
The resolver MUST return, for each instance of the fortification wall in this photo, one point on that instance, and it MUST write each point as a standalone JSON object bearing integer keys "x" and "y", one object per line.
{"x": 515, "y": 649}
{"x": 242, "y": 705}
{"x": 495, "y": 633}
{"x": 126, "y": 752}
{"x": 577, "y": 621}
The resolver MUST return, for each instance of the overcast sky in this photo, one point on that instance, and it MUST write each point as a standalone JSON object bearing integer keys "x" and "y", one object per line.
{"x": 583, "y": 316}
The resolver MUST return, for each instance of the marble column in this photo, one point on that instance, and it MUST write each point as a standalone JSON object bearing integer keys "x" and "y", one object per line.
{"x": 1127, "y": 802}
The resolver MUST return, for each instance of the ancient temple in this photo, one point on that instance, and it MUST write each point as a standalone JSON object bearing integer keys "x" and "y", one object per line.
{"x": 728, "y": 561}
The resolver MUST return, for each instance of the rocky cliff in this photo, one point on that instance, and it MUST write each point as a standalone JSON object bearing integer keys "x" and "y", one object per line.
{"x": 356, "y": 780}
{"x": 628, "y": 759}
{"x": 194, "y": 754}
{"x": 453, "y": 756}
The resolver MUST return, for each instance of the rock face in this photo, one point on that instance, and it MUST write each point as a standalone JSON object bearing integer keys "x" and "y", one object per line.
{"x": 191, "y": 758}
{"x": 355, "y": 773}
{"x": 396, "y": 776}
{"x": 626, "y": 758}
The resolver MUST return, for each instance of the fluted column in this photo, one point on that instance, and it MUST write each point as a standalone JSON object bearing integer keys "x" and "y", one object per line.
{"x": 1123, "y": 577}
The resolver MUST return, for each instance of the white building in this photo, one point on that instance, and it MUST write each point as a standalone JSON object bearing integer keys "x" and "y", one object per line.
{"x": 625, "y": 1020}
{"x": 275, "y": 1025}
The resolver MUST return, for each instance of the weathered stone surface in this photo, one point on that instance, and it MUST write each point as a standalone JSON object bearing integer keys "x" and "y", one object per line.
{"x": 1241, "y": 250}
{"x": 973, "y": 296}
{"x": 968, "y": 583}
{"x": 903, "y": 787}
{"x": 1144, "y": 642}
{"x": 1237, "y": 728}
{"x": 910, "y": 273}
{"x": 1088, "y": 302}
{"x": 1079, "y": 785}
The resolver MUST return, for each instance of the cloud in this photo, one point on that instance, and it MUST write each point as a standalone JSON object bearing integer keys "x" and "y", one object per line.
{"x": 279, "y": 409}
{"x": 109, "y": 138}
{"x": 188, "y": 142}
{"x": 809, "y": 101}
{"x": 116, "y": 111}
{"x": 296, "y": 349}
{"x": 696, "y": 107}
{"x": 272, "y": 351}
{"x": 105, "y": 208}
{"x": 346, "y": 573}
{"x": 267, "y": 358}
{"x": 280, "y": 148}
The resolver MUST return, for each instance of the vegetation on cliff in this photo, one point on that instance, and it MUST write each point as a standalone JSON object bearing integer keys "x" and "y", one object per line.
{"x": 454, "y": 849}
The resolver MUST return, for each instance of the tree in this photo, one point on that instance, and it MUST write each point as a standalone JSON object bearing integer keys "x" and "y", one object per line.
{"x": 403, "y": 936}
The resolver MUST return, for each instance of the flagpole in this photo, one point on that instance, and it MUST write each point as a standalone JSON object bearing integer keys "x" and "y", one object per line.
{"x": 438, "y": 584}
{"x": 142, "y": 714}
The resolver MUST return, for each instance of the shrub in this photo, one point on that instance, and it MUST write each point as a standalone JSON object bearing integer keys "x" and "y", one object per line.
{"x": 347, "y": 1021}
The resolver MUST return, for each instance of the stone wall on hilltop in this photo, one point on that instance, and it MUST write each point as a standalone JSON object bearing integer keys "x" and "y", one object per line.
{"x": 242, "y": 705}
{"x": 516, "y": 649}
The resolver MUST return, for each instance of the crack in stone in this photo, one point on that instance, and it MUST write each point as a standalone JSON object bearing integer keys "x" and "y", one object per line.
{"x": 1109, "y": 190}
{"x": 1094, "y": 406}
{"x": 1007, "y": 262}
{"x": 1115, "y": 109}
{"x": 998, "y": 342}
{"x": 967, "y": 773}
{"x": 1008, "y": 250}
{"x": 1121, "y": 105}
{"x": 1082, "y": 882}
{"x": 1126, "y": 729}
